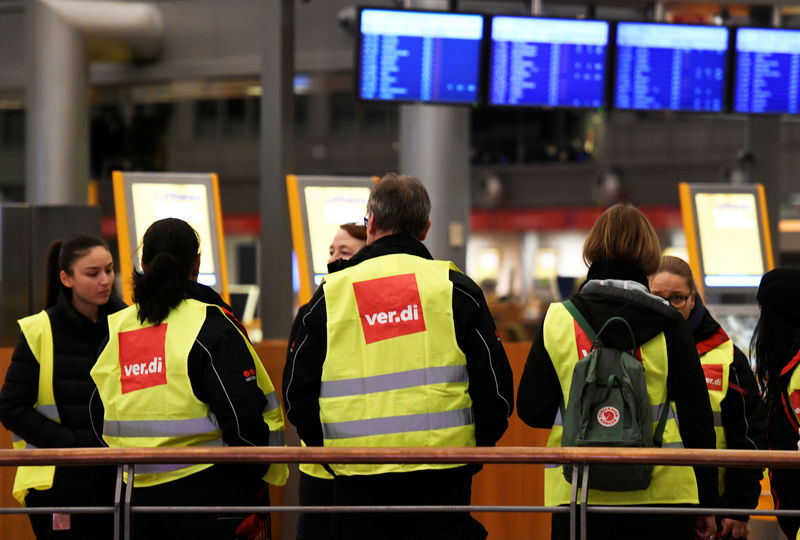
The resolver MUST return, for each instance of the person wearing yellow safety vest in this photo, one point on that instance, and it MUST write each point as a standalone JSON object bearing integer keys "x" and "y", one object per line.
{"x": 316, "y": 484}
{"x": 45, "y": 399}
{"x": 178, "y": 371}
{"x": 776, "y": 342}
{"x": 740, "y": 420}
{"x": 621, "y": 250}
{"x": 398, "y": 349}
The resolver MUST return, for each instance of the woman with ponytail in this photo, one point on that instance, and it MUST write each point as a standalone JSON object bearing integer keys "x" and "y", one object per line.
{"x": 45, "y": 400}
{"x": 776, "y": 348}
{"x": 178, "y": 371}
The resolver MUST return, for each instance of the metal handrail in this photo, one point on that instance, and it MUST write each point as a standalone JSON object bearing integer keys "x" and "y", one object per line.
{"x": 583, "y": 458}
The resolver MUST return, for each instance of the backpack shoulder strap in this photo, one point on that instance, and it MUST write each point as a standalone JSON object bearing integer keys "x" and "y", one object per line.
{"x": 582, "y": 322}
{"x": 658, "y": 436}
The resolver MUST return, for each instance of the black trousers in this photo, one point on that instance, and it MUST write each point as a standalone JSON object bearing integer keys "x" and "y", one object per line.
{"x": 219, "y": 485}
{"x": 314, "y": 491}
{"x": 624, "y": 526}
{"x": 76, "y": 486}
{"x": 429, "y": 487}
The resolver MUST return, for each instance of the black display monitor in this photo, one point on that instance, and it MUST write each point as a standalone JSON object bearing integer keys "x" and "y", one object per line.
{"x": 419, "y": 56}
{"x": 675, "y": 67}
{"x": 767, "y": 71}
{"x": 548, "y": 62}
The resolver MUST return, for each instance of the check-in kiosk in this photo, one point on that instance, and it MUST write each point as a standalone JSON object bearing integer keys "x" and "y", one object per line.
{"x": 729, "y": 246}
{"x": 318, "y": 206}
{"x": 142, "y": 198}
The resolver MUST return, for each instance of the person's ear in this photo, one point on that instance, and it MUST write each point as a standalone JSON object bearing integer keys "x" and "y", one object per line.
{"x": 372, "y": 229}
{"x": 425, "y": 232}
{"x": 195, "y": 269}
{"x": 66, "y": 279}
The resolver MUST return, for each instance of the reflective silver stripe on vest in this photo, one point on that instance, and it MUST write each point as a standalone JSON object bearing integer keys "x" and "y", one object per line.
{"x": 277, "y": 438}
{"x": 717, "y": 418}
{"x": 397, "y": 424}
{"x": 558, "y": 421}
{"x": 160, "y": 428}
{"x": 272, "y": 402}
{"x": 393, "y": 381}
{"x": 50, "y": 411}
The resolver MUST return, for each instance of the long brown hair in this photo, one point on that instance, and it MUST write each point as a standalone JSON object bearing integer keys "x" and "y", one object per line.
{"x": 623, "y": 233}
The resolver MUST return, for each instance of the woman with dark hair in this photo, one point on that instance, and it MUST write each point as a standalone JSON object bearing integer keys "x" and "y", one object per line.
{"x": 621, "y": 250}
{"x": 45, "y": 400}
{"x": 776, "y": 347}
{"x": 178, "y": 371}
{"x": 739, "y": 417}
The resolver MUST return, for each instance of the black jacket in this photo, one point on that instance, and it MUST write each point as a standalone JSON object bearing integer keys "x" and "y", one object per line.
{"x": 539, "y": 393}
{"x": 744, "y": 420}
{"x": 490, "y": 379}
{"x": 76, "y": 342}
{"x": 217, "y": 361}
{"x": 782, "y": 435}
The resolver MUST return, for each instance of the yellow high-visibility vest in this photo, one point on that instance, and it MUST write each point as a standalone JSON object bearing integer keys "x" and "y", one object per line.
{"x": 393, "y": 373}
{"x": 142, "y": 377}
{"x": 39, "y": 335}
{"x": 716, "y": 356}
{"x": 670, "y": 485}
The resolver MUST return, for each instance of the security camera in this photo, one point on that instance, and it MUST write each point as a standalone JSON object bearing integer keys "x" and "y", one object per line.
{"x": 347, "y": 17}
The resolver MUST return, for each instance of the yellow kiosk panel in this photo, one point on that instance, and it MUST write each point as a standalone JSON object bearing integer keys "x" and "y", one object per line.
{"x": 142, "y": 198}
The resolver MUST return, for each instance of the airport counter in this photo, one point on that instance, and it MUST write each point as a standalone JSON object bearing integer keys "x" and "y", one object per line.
{"x": 494, "y": 485}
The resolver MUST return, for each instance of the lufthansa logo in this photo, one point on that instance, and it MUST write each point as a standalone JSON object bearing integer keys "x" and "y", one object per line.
{"x": 608, "y": 416}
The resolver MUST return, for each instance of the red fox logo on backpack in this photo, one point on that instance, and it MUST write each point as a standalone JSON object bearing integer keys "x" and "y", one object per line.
{"x": 389, "y": 307}
{"x": 608, "y": 416}
{"x": 142, "y": 359}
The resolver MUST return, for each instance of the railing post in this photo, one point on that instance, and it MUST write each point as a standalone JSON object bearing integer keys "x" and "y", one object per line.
{"x": 584, "y": 498}
{"x": 118, "y": 502}
{"x": 128, "y": 493}
{"x": 573, "y": 498}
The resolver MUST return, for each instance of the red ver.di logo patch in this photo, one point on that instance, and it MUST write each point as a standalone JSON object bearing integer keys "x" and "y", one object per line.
{"x": 713, "y": 373}
{"x": 141, "y": 358}
{"x": 389, "y": 307}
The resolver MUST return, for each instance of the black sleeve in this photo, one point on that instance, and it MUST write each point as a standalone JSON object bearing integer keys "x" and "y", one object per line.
{"x": 784, "y": 482}
{"x": 539, "y": 393}
{"x": 491, "y": 383}
{"x": 218, "y": 362}
{"x": 17, "y": 398}
{"x": 745, "y": 422}
{"x": 302, "y": 372}
{"x": 686, "y": 387}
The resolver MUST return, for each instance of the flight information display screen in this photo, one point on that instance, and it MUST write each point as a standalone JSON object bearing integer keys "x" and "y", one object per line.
{"x": 670, "y": 67}
{"x": 767, "y": 71}
{"x": 552, "y": 62}
{"x": 419, "y": 56}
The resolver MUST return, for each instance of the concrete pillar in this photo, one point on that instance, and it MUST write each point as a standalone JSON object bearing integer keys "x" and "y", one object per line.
{"x": 57, "y": 87}
{"x": 434, "y": 146}
{"x": 57, "y": 102}
{"x": 277, "y": 158}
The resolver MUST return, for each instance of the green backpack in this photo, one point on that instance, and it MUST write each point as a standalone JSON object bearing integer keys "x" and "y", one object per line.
{"x": 608, "y": 406}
